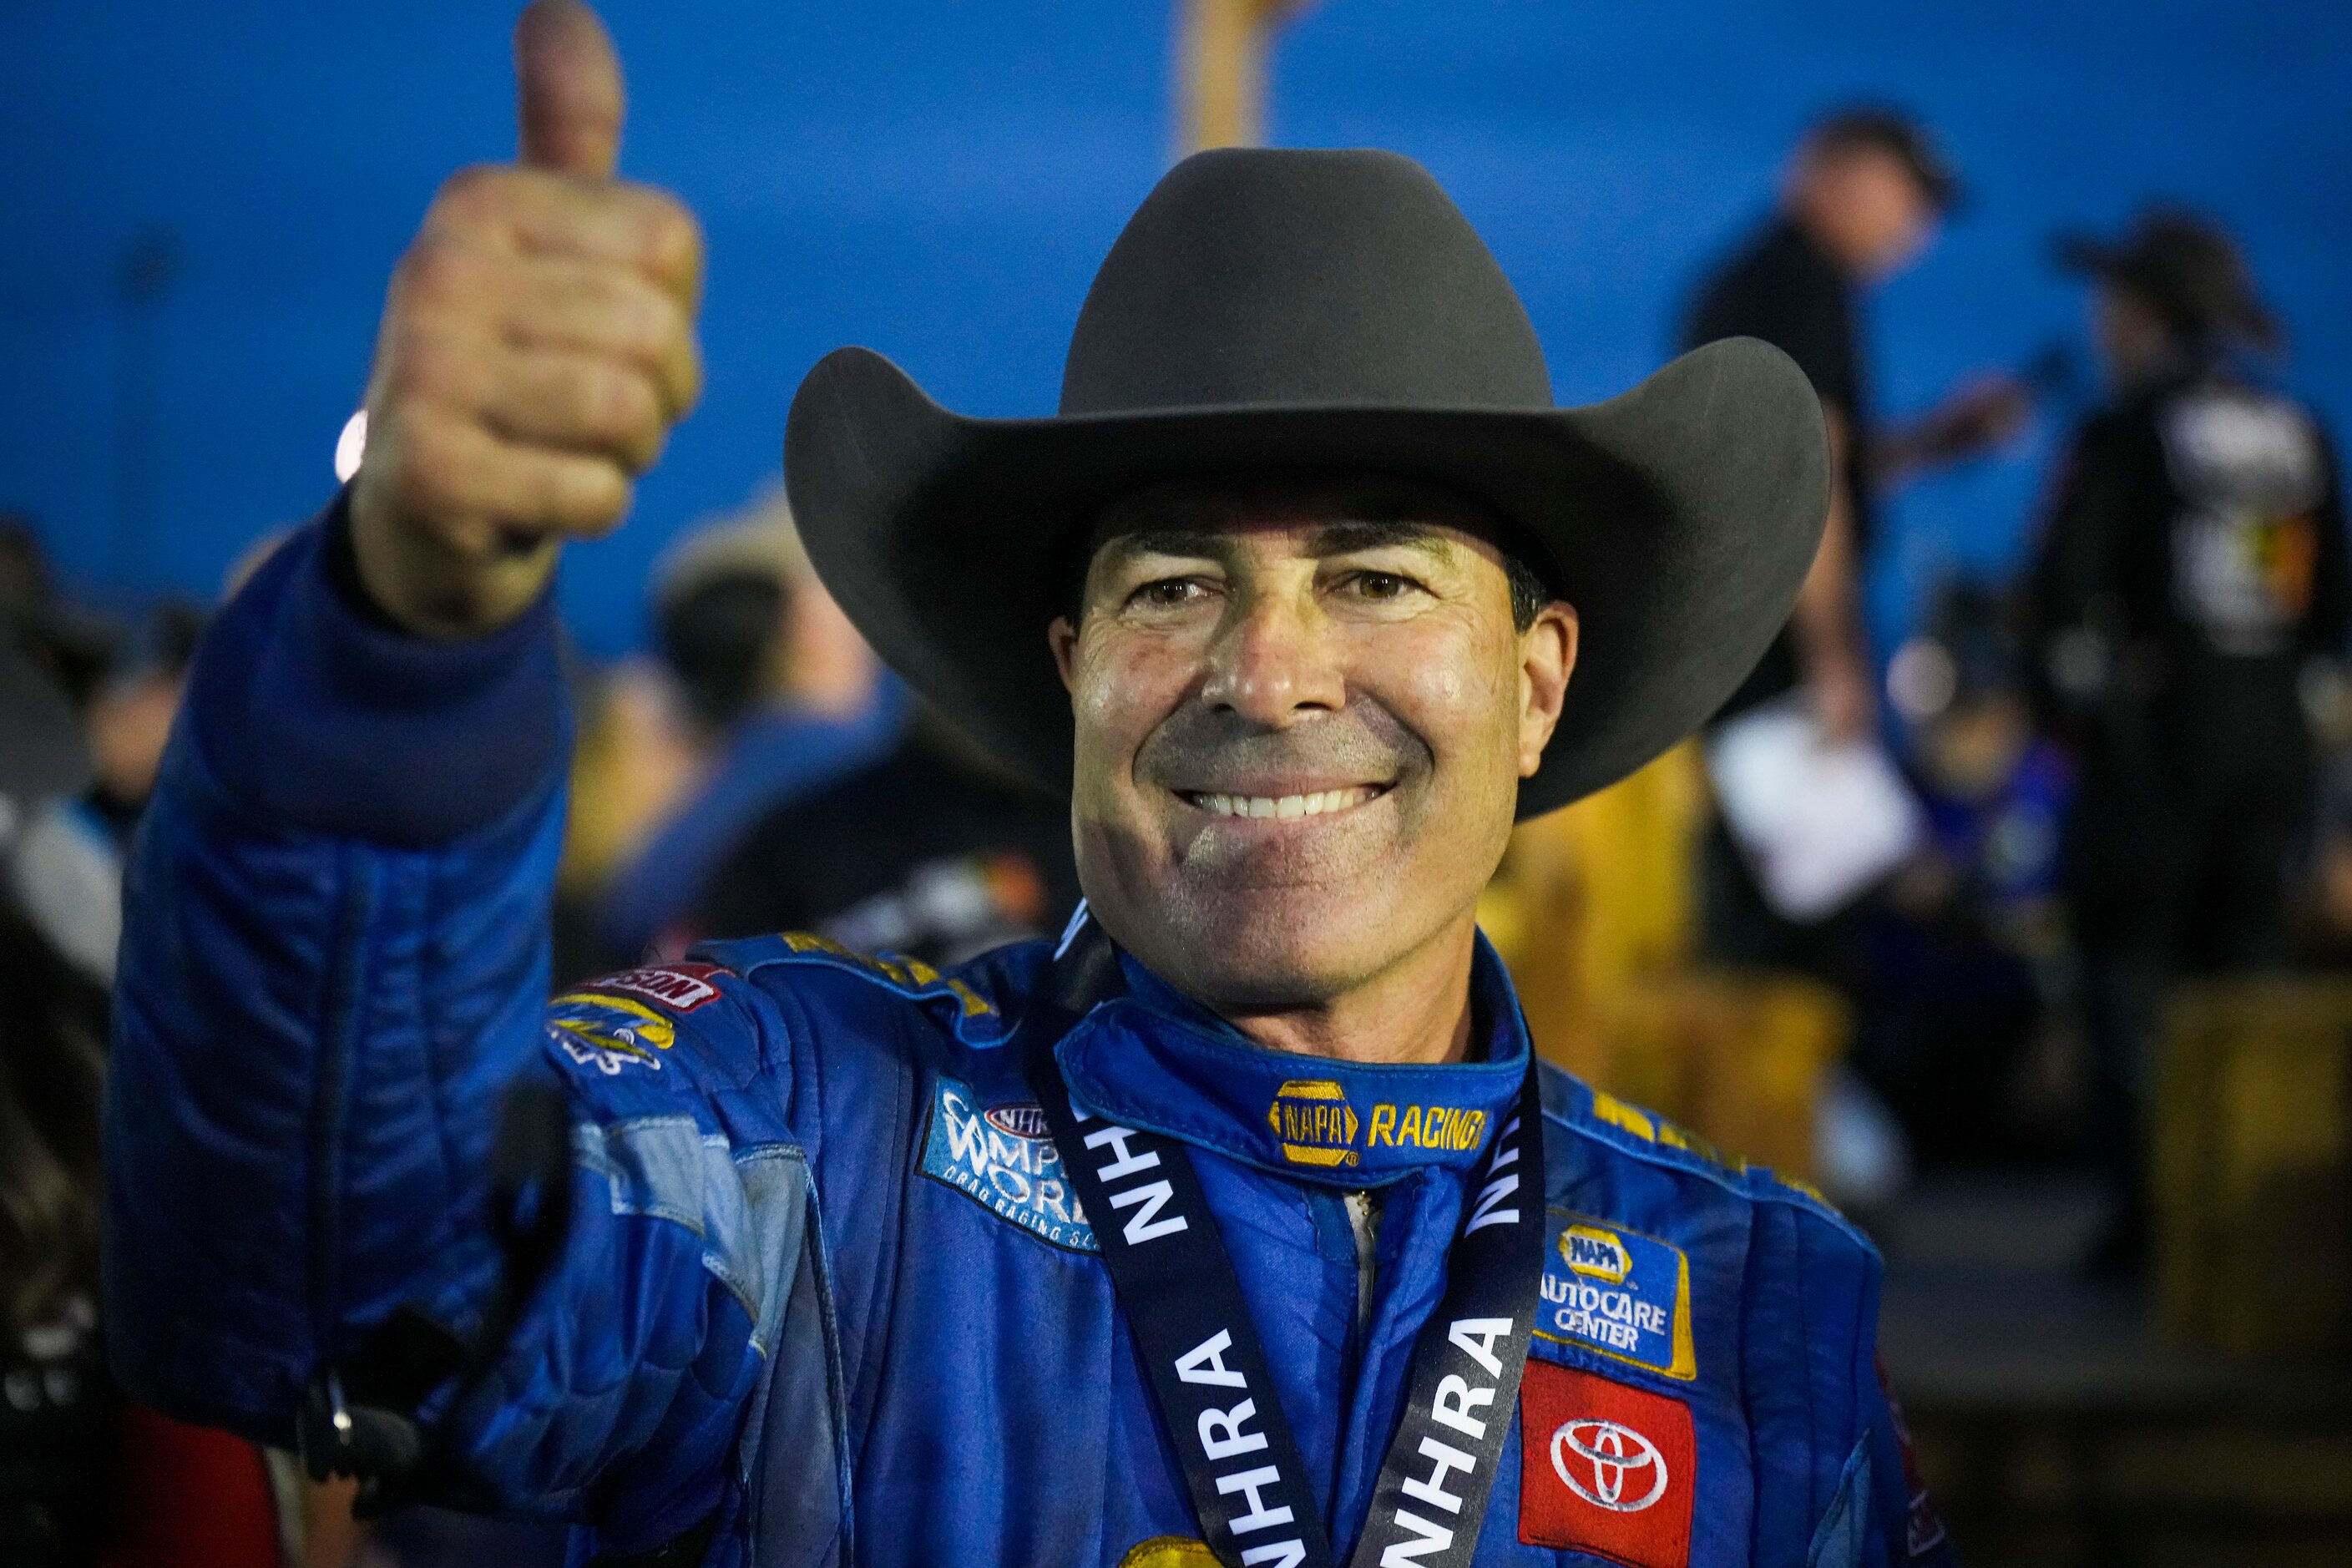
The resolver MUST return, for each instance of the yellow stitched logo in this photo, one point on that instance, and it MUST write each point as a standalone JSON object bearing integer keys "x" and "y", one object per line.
{"x": 1595, "y": 1253}
{"x": 896, "y": 969}
{"x": 1314, "y": 1123}
{"x": 1170, "y": 1551}
{"x": 615, "y": 1023}
{"x": 1425, "y": 1126}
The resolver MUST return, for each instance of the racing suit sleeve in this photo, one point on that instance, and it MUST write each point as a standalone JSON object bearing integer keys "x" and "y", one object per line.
{"x": 1836, "y": 1472}
{"x": 335, "y": 960}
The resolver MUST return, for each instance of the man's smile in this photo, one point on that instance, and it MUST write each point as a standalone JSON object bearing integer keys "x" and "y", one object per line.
{"x": 1306, "y": 802}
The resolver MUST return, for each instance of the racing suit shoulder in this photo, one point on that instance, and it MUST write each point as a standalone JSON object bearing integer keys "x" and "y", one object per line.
{"x": 1796, "y": 1285}
{"x": 841, "y": 987}
{"x": 1598, "y": 1124}
{"x": 690, "y": 1037}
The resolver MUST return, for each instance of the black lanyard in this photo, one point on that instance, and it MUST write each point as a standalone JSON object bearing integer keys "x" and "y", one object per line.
{"x": 1183, "y": 1302}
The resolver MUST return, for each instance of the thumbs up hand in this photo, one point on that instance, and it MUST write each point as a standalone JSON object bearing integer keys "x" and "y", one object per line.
{"x": 537, "y": 345}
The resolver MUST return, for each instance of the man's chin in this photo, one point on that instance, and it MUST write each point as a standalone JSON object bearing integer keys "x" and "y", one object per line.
{"x": 1292, "y": 952}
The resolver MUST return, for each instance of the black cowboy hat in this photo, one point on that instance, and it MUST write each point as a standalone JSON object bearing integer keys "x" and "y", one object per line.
{"x": 1281, "y": 311}
{"x": 2186, "y": 267}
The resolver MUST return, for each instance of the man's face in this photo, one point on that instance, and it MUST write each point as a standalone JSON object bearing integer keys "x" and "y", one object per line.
{"x": 1870, "y": 208}
{"x": 2130, "y": 332}
{"x": 1302, "y": 715}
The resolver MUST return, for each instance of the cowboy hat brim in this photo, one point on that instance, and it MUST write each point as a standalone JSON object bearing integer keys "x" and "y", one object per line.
{"x": 1679, "y": 519}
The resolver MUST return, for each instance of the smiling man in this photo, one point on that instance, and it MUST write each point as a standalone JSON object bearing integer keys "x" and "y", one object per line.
{"x": 1308, "y": 706}
{"x": 1239, "y": 1226}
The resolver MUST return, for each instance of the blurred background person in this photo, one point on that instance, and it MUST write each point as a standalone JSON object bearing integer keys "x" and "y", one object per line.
{"x": 2190, "y": 576}
{"x": 930, "y": 850}
{"x": 87, "y": 1479}
{"x": 57, "y": 1413}
{"x": 1966, "y": 964}
{"x": 765, "y": 693}
{"x": 68, "y": 865}
{"x": 2324, "y": 908}
{"x": 1862, "y": 197}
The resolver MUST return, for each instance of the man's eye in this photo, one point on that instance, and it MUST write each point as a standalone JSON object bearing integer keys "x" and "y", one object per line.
{"x": 1381, "y": 587}
{"x": 1166, "y": 594}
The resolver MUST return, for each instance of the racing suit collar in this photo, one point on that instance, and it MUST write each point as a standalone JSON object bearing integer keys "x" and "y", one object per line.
{"x": 1154, "y": 1059}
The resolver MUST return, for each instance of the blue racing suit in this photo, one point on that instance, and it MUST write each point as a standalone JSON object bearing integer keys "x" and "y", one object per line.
{"x": 823, "y": 1292}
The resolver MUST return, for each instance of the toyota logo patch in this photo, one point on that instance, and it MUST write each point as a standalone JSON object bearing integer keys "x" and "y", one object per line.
{"x": 1605, "y": 1468}
{"x": 1609, "y": 1466}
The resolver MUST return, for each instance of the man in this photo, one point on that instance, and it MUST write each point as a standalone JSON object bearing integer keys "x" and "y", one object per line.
{"x": 1862, "y": 199}
{"x": 69, "y": 859}
{"x": 2191, "y": 569}
{"x": 1238, "y": 1228}
{"x": 786, "y": 700}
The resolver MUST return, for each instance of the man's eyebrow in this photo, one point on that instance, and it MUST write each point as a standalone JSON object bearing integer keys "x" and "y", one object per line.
{"x": 1206, "y": 542}
{"x": 1346, "y": 537}
{"x": 1331, "y": 539}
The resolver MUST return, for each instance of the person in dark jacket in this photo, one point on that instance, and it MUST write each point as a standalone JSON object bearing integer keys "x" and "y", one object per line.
{"x": 1863, "y": 196}
{"x": 2190, "y": 570}
{"x": 930, "y": 851}
{"x": 781, "y": 693}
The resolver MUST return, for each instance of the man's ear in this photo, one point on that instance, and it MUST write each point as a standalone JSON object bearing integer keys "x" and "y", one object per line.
{"x": 1062, "y": 638}
{"x": 1547, "y": 658}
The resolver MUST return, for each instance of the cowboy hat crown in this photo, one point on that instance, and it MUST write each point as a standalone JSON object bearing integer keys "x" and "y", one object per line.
{"x": 1305, "y": 278}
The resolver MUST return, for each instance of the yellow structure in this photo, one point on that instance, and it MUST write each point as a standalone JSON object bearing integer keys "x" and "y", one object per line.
{"x": 1220, "y": 59}
{"x": 1592, "y": 911}
{"x": 2251, "y": 1155}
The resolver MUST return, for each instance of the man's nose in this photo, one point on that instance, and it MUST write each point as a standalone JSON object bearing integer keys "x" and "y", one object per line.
{"x": 1274, "y": 659}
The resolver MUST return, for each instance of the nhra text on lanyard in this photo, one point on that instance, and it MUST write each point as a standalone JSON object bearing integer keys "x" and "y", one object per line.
{"x": 1183, "y": 1302}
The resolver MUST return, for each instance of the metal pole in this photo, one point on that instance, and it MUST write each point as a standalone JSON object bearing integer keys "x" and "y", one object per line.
{"x": 1221, "y": 61}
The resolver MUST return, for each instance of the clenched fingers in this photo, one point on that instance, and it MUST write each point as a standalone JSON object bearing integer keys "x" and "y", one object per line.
{"x": 574, "y": 402}
{"x": 558, "y": 303}
{"x": 479, "y": 493}
{"x": 445, "y": 284}
{"x": 540, "y": 212}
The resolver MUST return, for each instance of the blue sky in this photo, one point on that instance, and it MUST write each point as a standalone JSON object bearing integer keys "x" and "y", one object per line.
{"x": 938, "y": 179}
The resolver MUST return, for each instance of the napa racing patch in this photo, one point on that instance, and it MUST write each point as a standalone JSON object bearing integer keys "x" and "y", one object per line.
{"x": 608, "y": 1033}
{"x": 1617, "y": 1291}
{"x": 1002, "y": 1158}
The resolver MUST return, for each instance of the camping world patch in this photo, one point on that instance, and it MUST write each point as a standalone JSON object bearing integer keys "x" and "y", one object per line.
{"x": 1001, "y": 1157}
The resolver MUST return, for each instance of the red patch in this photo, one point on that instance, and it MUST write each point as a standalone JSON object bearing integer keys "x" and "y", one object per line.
{"x": 680, "y": 987}
{"x": 1605, "y": 1468}
{"x": 1924, "y": 1529}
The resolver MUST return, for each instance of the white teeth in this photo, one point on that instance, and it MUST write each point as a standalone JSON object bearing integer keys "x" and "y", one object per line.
{"x": 1314, "y": 805}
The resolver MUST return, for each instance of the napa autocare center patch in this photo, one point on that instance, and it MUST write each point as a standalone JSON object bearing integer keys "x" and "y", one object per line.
{"x": 1619, "y": 1292}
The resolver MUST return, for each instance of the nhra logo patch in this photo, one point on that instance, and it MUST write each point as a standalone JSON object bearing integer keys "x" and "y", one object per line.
{"x": 1021, "y": 1120}
{"x": 1619, "y": 1292}
{"x": 1605, "y": 1468}
{"x": 1004, "y": 1159}
{"x": 1313, "y": 1122}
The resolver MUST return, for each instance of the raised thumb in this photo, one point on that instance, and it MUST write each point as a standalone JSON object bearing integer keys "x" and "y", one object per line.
{"x": 568, "y": 85}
